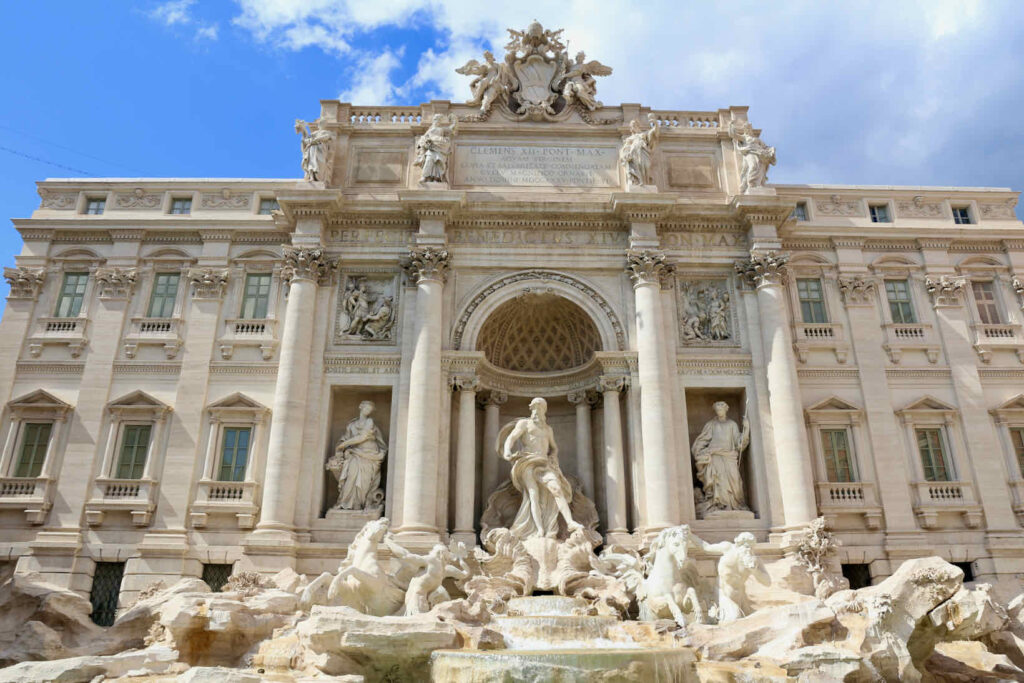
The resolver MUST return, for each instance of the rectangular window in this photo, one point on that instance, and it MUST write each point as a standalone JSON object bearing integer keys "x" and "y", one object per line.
{"x": 95, "y": 207}
{"x": 879, "y": 213}
{"x": 106, "y": 588}
{"x": 800, "y": 211}
{"x": 181, "y": 206}
{"x": 1017, "y": 439}
{"x": 933, "y": 455}
{"x": 900, "y": 306}
{"x": 985, "y": 300}
{"x": 267, "y": 206}
{"x": 812, "y": 303}
{"x": 33, "y": 449}
{"x": 961, "y": 215}
{"x": 165, "y": 294}
{"x": 256, "y": 296}
{"x": 72, "y": 294}
{"x": 835, "y": 445}
{"x": 134, "y": 446}
{"x": 234, "y": 454}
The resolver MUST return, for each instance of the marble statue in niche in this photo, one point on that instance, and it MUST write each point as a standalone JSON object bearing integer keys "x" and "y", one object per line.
{"x": 366, "y": 310}
{"x": 356, "y": 463}
{"x": 434, "y": 147}
{"x": 757, "y": 156}
{"x": 716, "y": 454}
{"x": 636, "y": 150}
{"x": 704, "y": 312}
{"x": 316, "y": 144}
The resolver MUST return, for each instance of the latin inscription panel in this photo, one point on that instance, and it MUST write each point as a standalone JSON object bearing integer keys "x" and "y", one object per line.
{"x": 536, "y": 166}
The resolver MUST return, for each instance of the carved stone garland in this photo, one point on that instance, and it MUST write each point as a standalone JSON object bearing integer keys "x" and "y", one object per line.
{"x": 768, "y": 268}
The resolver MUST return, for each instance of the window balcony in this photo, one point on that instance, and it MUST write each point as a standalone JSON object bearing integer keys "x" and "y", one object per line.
{"x": 70, "y": 332}
{"x": 135, "y": 496}
{"x": 814, "y": 336}
{"x": 165, "y": 332}
{"x": 225, "y": 497}
{"x": 988, "y": 338}
{"x": 33, "y": 496}
{"x": 850, "y": 498}
{"x": 902, "y": 337}
{"x": 934, "y": 497}
{"x": 260, "y": 333}
{"x": 1018, "y": 500}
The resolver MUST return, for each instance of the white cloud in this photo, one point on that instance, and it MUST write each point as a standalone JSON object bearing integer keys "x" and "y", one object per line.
{"x": 173, "y": 12}
{"x": 372, "y": 82}
{"x": 207, "y": 32}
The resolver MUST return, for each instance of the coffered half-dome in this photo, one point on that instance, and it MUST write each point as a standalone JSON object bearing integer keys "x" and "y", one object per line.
{"x": 539, "y": 332}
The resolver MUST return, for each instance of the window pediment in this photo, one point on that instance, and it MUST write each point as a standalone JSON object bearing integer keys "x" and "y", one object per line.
{"x": 140, "y": 406}
{"x": 237, "y": 407}
{"x": 1011, "y": 411}
{"x": 39, "y": 405}
{"x": 927, "y": 409}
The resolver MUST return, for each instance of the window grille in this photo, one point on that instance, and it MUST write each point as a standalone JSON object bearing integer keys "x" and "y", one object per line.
{"x": 106, "y": 587}
{"x": 216, "y": 575}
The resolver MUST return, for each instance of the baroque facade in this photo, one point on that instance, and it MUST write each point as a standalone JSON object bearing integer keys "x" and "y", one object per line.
{"x": 197, "y": 373}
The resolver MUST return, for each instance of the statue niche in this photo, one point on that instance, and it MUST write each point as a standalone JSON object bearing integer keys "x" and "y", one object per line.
{"x": 354, "y": 467}
{"x": 720, "y": 468}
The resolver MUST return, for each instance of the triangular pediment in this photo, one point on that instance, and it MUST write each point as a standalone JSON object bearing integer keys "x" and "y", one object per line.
{"x": 1015, "y": 403}
{"x": 834, "y": 403}
{"x": 39, "y": 399}
{"x": 928, "y": 403}
{"x": 138, "y": 399}
{"x": 238, "y": 400}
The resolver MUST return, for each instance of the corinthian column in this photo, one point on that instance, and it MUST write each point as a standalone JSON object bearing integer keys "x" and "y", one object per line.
{"x": 648, "y": 268}
{"x": 492, "y": 403}
{"x": 427, "y": 267}
{"x": 767, "y": 272}
{"x": 303, "y": 270}
{"x": 614, "y": 459}
{"x": 465, "y": 459}
{"x": 584, "y": 448}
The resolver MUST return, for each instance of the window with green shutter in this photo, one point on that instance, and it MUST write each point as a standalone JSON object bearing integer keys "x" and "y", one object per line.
{"x": 234, "y": 454}
{"x": 1017, "y": 439}
{"x": 134, "y": 446}
{"x": 33, "y": 449}
{"x": 835, "y": 444}
{"x": 812, "y": 301}
{"x": 931, "y": 446}
{"x": 256, "y": 297}
{"x": 164, "y": 296}
{"x": 900, "y": 306}
{"x": 72, "y": 294}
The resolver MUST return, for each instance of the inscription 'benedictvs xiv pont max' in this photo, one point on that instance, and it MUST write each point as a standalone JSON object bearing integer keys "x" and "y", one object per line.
{"x": 200, "y": 372}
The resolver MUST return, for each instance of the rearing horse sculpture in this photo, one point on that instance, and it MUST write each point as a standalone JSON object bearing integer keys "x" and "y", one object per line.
{"x": 362, "y": 583}
{"x": 669, "y": 590}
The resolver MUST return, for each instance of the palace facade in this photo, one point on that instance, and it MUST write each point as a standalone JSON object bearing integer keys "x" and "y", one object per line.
{"x": 181, "y": 358}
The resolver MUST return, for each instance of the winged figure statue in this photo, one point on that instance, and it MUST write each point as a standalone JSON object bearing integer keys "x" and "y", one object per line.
{"x": 579, "y": 84}
{"x": 492, "y": 80}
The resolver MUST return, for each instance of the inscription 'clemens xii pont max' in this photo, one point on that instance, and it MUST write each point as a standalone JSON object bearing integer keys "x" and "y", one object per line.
{"x": 536, "y": 166}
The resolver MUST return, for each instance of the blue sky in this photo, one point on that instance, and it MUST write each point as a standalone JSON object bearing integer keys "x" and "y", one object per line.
{"x": 901, "y": 93}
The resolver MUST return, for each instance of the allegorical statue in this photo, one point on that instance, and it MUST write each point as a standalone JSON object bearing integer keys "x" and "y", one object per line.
{"x": 580, "y": 85}
{"x": 531, "y": 449}
{"x": 716, "y": 453}
{"x": 356, "y": 462}
{"x": 757, "y": 156}
{"x": 737, "y": 564}
{"x": 315, "y": 146}
{"x": 493, "y": 79}
{"x": 434, "y": 147}
{"x": 635, "y": 154}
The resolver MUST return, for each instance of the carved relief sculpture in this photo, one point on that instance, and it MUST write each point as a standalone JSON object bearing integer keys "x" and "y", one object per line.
{"x": 757, "y": 156}
{"x": 316, "y": 144}
{"x": 138, "y": 199}
{"x": 704, "y": 312}
{"x": 357, "y": 461}
{"x": 366, "y": 310}
{"x": 716, "y": 454}
{"x": 636, "y": 150}
{"x": 434, "y": 148}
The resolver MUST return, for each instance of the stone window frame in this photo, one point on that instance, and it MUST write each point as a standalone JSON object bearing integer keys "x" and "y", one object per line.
{"x": 74, "y": 260}
{"x": 86, "y": 196}
{"x": 969, "y": 204}
{"x": 810, "y": 265}
{"x": 23, "y": 410}
{"x": 914, "y": 273}
{"x": 807, "y": 208}
{"x": 262, "y": 197}
{"x": 835, "y": 413}
{"x": 1010, "y": 415}
{"x": 1007, "y": 334}
{"x": 171, "y": 338}
{"x": 256, "y": 263}
{"x": 168, "y": 202}
{"x": 890, "y": 208}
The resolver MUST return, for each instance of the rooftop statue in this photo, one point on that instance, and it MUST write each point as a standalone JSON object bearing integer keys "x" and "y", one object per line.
{"x": 316, "y": 143}
{"x": 635, "y": 153}
{"x": 757, "y": 156}
{"x": 434, "y": 147}
{"x": 537, "y": 80}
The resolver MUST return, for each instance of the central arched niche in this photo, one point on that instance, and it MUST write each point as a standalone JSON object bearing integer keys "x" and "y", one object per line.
{"x": 538, "y": 332}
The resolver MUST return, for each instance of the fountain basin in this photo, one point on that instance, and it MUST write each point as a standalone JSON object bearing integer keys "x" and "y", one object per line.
{"x": 612, "y": 665}
{"x": 547, "y": 606}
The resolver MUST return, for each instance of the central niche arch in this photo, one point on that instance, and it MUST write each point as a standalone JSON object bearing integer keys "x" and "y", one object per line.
{"x": 538, "y": 332}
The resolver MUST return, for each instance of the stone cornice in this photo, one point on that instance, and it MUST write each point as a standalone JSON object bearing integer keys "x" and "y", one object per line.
{"x": 432, "y": 204}
{"x": 641, "y": 207}
{"x": 762, "y": 210}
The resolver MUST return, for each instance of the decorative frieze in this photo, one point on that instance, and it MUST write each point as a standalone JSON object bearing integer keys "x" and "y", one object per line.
{"x": 764, "y": 269}
{"x": 61, "y": 201}
{"x": 366, "y": 309}
{"x": 25, "y": 283}
{"x": 919, "y": 208}
{"x": 137, "y": 199}
{"x": 857, "y": 291}
{"x": 648, "y": 267}
{"x": 713, "y": 365}
{"x": 426, "y": 263}
{"x": 837, "y": 206}
{"x": 996, "y": 211}
{"x": 225, "y": 199}
{"x": 946, "y": 290}
{"x": 307, "y": 263}
{"x": 115, "y": 283}
{"x": 208, "y": 283}
{"x": 375, "y": 364}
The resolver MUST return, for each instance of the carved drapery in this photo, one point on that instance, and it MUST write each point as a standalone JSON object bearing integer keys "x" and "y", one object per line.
{"x": 648, "y": 267}
{"x": 116, "y": 283}
{"x": 945, "y": 290}
{"x": 25, "y": 283}
{"x": 857, "y": 291}
{"x": 426, "y": 263}
{"x": 762, "y": 269}
{"x": 208, "y": 283}
{"x": 307, "y": 263}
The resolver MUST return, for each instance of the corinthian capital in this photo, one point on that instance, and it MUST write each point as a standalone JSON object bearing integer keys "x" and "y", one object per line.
{"x": 464, "y": 382}
{"x": 307, "y": 263}
{"x": 945, "y": 291}
{"x": 768, "y": 268}
{"x": 426, "y": 263}
{"x": 648, "y": 267}
{"x": 614, "y": 383}
{"x": 208, "y": 283}
{"x": 116, "y": 283}
{"x": 25, "y": 282}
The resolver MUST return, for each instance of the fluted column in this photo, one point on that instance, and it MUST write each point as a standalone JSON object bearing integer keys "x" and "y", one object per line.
{"x": 767, "y": 272}
{"x": 427, "y": 267}
{"x": 648, "y": 268}
{"x": 584, "y": 447}
{"x": 614, "y": 458}
{"x": 465, "y": 458}
{"x": 303, "y": 269}
{"x": 492, "y": 403}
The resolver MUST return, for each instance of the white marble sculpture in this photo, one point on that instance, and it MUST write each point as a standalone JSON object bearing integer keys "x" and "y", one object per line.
{"x": 363, "y": 582}
{"x": 757, "y": 156}
{"x": 580, "y": 85}
{"x": 365, "y": 314}
{"x": 704, "y": 313}
{"x": 493, "y": 80}
{"x": 425, "y": 585}
{"x": 636, "y": 150}
{"x": 669, "y": 589}
{"x": 316, "y": 144}
{"x": 716, "y": 454}
{"x": 531, "y": 449}
{"x": 356, "y": 462}
{"x": 737, "y": 564}
{"x": 434, "y": 148}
